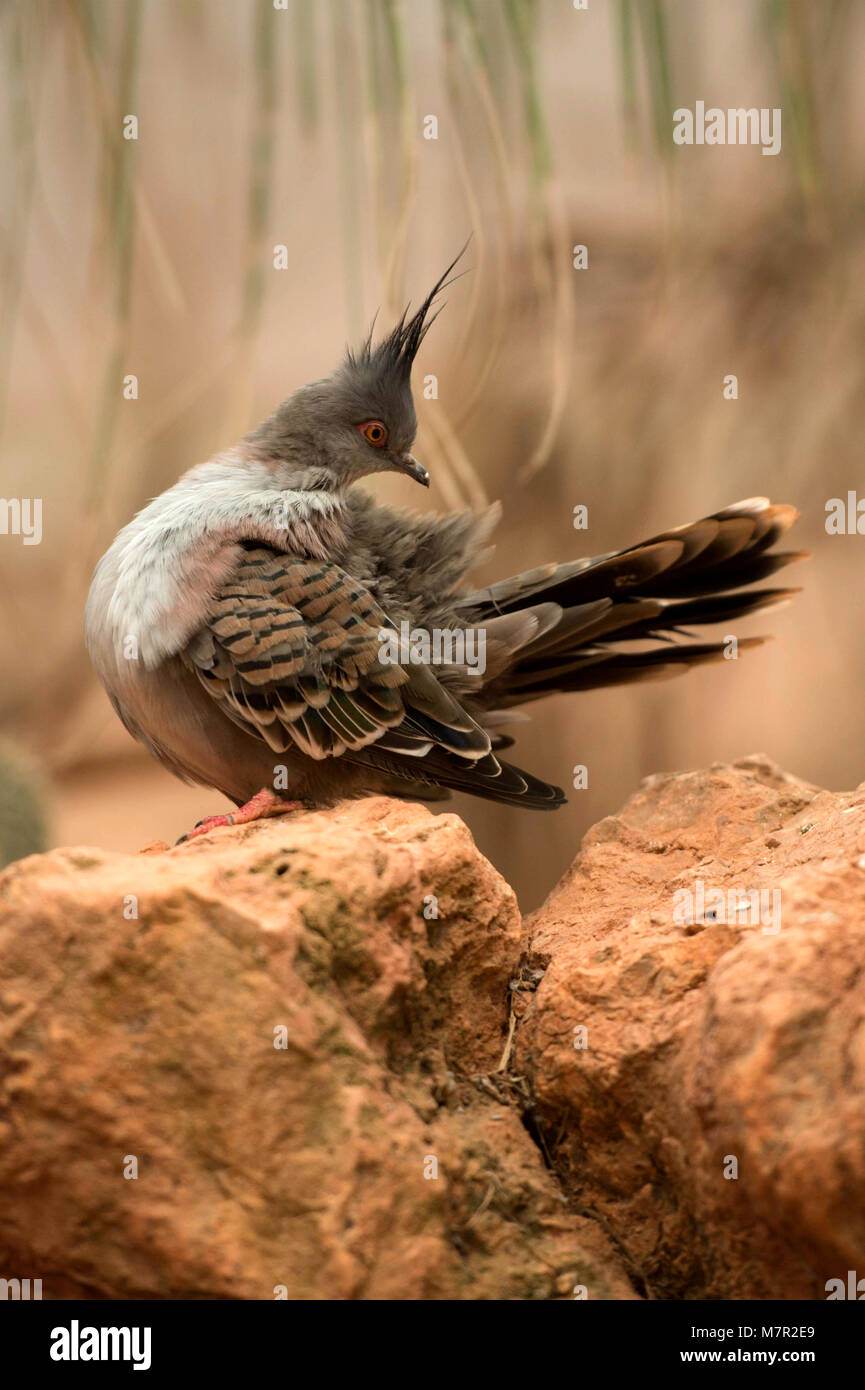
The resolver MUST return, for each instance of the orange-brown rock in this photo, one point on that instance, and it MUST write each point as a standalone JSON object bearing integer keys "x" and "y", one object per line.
{"x": 286, "y": 1029}
{"x": 233, "y": 1070}
{"x": 713, "y": 1113}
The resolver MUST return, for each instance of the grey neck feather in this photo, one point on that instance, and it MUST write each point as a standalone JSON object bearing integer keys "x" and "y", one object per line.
{"x": 152, "y": 589}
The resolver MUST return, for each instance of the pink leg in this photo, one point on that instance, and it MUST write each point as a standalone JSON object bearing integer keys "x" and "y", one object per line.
{"x": 264, "y": 803}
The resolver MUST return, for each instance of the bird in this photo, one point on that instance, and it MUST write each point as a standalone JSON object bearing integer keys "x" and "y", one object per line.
{"x": 247, "y": 624}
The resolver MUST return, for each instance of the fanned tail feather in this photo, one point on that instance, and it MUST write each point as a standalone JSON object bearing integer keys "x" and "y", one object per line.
{"x": 657, "y": 591}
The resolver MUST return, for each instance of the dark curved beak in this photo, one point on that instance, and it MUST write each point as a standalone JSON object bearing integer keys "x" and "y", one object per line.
{"x": 410, "y": 466}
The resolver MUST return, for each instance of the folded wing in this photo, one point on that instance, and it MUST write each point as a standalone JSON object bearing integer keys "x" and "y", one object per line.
{"x": 293, "y": 653}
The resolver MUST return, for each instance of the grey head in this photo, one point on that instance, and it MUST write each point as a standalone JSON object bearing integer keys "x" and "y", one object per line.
{"x": 360, "y": 419}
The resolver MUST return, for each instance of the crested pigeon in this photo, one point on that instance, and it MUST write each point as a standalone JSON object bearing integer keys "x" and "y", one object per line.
{"x": 248, "y": 624}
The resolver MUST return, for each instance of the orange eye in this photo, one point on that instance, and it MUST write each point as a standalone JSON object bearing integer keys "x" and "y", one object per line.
{"x": 374, "y": 432}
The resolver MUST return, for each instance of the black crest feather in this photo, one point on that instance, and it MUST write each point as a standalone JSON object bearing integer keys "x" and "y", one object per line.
{"x": 396, "y": 352}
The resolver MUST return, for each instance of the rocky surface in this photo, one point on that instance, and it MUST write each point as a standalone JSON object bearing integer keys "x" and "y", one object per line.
{"x": 321, "y": 1057}
{"x": 714, "y": 1118}
{"x": 301, "y": 1067}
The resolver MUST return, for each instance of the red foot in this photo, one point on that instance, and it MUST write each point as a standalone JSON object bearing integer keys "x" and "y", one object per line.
{"x": 264, "y": 803}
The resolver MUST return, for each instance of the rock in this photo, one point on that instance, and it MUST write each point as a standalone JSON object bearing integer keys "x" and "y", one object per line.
{"x": 342, "y": 1069}
{"x": 274, "y": 1030}
{"x": 717, "y": 1045}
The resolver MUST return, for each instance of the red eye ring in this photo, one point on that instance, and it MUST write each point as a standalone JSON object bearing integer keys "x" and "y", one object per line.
{"x": 374, "y": 432}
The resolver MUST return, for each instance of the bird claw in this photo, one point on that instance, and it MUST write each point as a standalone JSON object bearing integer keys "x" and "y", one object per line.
{"x": 203, "y": 827}
{"x": 264, "y": 803}
{"x": 214, "y": 821}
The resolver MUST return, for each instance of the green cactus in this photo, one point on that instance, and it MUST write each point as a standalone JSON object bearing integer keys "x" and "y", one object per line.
{"x": 22, "y": 809}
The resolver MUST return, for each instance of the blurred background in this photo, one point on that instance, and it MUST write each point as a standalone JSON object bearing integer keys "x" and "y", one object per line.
{"x": 304, "y": 126}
